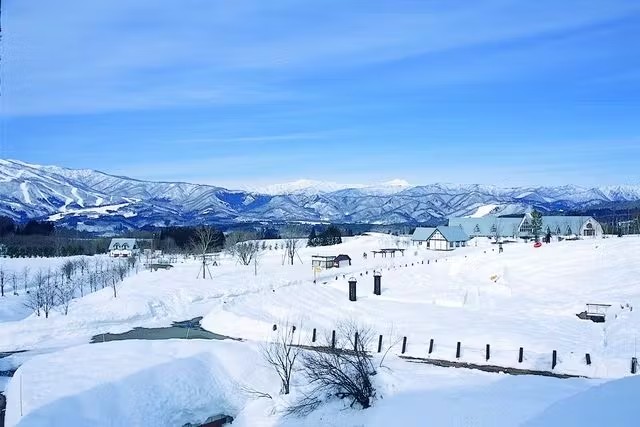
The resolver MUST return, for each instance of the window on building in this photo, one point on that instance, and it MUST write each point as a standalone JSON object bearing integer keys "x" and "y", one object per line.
{"x": 450, "y": 244}
{"x": 526, "y": 227}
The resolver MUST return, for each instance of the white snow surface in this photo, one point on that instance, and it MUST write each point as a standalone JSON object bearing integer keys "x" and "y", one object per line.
{"x": 524, "y": 297}
{"x": 135, "y": 383}
{"x": 310, "y": 186}
{"x": 483, "y": 211}
{"x": 24, "y": 187}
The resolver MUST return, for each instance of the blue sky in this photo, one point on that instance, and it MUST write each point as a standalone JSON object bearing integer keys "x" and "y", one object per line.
{"x": 239, "y": 92}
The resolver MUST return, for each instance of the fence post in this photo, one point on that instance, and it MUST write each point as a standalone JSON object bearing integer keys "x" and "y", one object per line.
{"x": 379, "y": 343}
{"x": 313, "y": 337}
{"x": 458, "y": 350}
{"x": 588, "y": 358}
{"x": 488, "y": 352}
{"x": 554, "y": 359}
{"x": 431, "y": 346}
{"x": 333, "y": 339}
{"x": 355, "y": 342}
{"x": 521, "y": 355}
{"x": 404, "y": 345}
{"x": 634, "y": 365}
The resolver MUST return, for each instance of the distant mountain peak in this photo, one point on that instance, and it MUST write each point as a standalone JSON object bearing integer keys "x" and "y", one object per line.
{"x": 93, "y": 200}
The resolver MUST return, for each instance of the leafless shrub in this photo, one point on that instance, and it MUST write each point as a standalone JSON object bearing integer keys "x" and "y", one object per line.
{"x": 282, "y": 353}
{"x": 245, "y": 252}
{"x": 344, "y": 371}
{"x": 291, "y": 247}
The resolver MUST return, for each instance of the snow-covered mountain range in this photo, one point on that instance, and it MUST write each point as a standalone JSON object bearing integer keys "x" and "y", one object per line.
{"x": 93, "y": 200}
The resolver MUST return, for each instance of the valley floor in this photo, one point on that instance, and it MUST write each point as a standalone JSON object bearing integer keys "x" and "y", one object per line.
{"x": 524, "y": 297}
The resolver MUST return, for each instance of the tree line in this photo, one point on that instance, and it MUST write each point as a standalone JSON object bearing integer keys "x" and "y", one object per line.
{"x": 49, "y": 289}
{"x": 329, "y": 236}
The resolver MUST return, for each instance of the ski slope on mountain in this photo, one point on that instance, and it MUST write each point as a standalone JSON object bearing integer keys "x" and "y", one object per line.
{"x": 71, "y": 197}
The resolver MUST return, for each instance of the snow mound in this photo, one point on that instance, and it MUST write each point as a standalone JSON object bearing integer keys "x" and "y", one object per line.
{"x": 610, "y": 404}
{"x": 127, "y": 383}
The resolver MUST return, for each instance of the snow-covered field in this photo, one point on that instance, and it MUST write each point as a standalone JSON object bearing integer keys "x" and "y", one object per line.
{"x": 524, "y": 297}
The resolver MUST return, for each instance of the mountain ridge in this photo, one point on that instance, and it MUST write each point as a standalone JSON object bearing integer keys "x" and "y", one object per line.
{"x": 98, "y": 201}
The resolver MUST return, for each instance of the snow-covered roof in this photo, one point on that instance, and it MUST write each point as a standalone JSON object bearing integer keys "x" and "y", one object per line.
{"x": 453, "y": 234}
{"x": 564, "y": 223}
{"x": 484, "y": 226}
{"x": 120, "y": 242}
{"x": 422, "y": 233}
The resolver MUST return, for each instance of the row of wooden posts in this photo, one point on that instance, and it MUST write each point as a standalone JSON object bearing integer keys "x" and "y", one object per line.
{"x": 554, "y": 354}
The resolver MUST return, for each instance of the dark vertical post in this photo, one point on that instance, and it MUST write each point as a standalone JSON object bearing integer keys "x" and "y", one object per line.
{"x": 488, "y": 352}
{"x": 352, "y": 289}
{"x": 404, "y": 345}
{"x": 431, "y": 346}
{"x": 377, "y": 281}
{"x": 634, "y": 365}
{"x": 313, "y": 337}
{"x": 379, "y": 343}
{"x": 333, "y": 339}
{"x": 588, "y": 358}
{"x": 554, "y": 359}
{"x": 458, "y": 350}
{"x": 355, "y": 343}
{"x": 521, "y": 355}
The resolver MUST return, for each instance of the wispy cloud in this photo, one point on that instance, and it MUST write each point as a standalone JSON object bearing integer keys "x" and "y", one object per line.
{"x": 73, "y": 56}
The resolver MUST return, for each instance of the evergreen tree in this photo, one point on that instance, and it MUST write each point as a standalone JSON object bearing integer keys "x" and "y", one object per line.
{"x": 536, "y": 224}
{"x": 313, "y": 238}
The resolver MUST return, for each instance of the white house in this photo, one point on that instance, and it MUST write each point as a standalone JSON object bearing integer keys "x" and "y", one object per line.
{"x": 520, "y": 226}
{"x": 440, "y": 238}
{"x": 123, "y": 247}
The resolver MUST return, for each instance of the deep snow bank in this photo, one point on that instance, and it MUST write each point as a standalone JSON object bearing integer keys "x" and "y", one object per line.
{"x": 159, "y": 383}
{"x": 610, "y": 404}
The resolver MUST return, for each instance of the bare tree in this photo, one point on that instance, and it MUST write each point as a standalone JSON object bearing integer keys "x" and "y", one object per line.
{"x": 65, "y": 292}
{"x": 82, "y": 264}
{"x": 121, "y": 269}
{"x": 282, "y": 353}
{"x": 34, "y": 297}
{"x": 496, "y": 231}
{"x": 244, "y": 252}
{"x": 2, "y": 279}
{"x": 342, "y": 372}
{"x": 112, "y": 279}
{"x": 48, "y": 293}
{"x": 14, "y": 283}
{"x": 291, "y": 249}
{"x": 25, "y": 278}
{"x": 203, "y": 244}
{"x": 68, "y": 269}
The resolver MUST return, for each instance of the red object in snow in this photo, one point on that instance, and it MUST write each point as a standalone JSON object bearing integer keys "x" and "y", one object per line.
{"x": 537, "y": 245}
